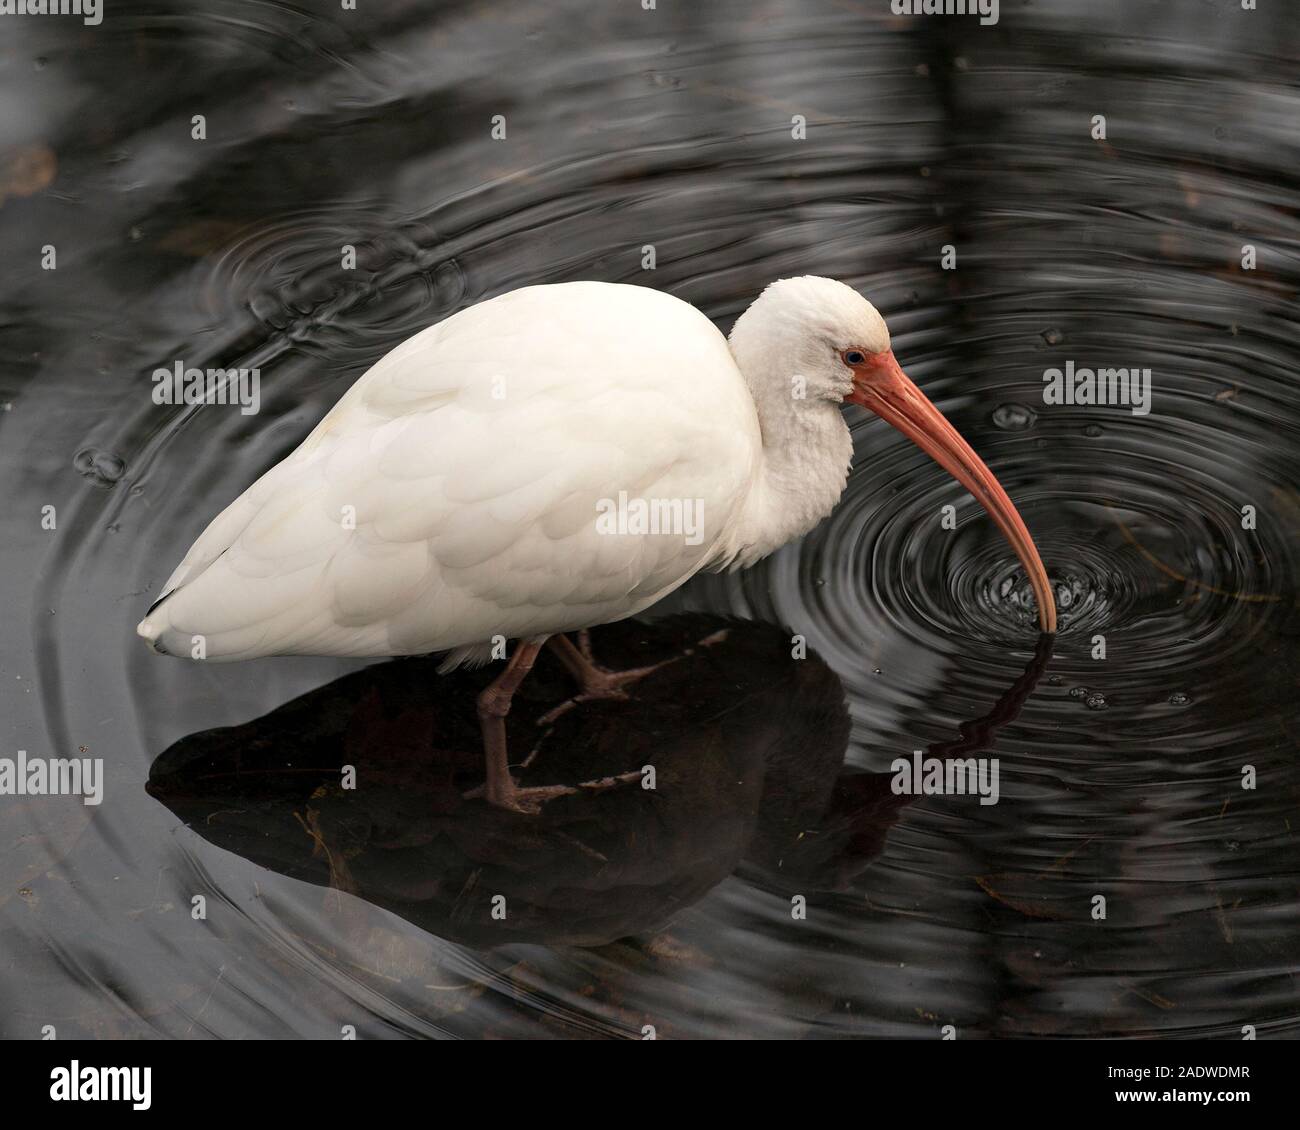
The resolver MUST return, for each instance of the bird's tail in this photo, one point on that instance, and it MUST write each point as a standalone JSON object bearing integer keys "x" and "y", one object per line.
{"x": 156, "y": 626}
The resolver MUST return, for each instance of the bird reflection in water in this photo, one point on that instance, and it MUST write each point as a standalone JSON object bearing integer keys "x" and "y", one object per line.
{"x": 358, "y": 786}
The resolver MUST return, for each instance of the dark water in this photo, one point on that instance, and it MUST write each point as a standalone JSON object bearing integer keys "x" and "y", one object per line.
{"x": 1120, "y": 777}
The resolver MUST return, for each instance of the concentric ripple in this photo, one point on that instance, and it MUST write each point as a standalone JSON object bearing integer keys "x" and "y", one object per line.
{"x": 337, "y": 281}
{"x": 1151, "y": 757}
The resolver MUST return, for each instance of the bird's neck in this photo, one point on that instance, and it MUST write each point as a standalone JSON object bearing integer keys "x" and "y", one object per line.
{"x": 804, "y": 465}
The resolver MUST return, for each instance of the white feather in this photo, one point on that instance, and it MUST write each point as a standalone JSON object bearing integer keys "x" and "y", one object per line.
{"x": 472, "y": 458}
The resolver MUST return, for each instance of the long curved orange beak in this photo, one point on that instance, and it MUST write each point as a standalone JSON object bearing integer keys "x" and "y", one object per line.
{"x": 880, "y": 386}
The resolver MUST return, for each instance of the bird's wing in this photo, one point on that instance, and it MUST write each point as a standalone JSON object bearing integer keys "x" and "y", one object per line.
{"x": 452, "y": 494}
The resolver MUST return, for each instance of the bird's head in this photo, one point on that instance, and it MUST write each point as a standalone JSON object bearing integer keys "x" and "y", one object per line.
{"x": 837, "y": 346}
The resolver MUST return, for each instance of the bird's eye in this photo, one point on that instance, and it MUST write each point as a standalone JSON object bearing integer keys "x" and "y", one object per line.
{"x": 853, "y": 357}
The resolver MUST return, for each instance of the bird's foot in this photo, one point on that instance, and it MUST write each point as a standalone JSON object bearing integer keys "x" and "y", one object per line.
{"x": 604, "y": 683}
{"x": 528, "y": 800}
{"x": 600, "y": 683}
{"x": 516, "y": 798}
{"x": 595, "y": 682}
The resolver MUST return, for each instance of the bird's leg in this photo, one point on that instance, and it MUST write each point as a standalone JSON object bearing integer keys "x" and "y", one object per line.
{"x": 584, "y": 645}
{"x": 596, "y": 681}
{"x": 493, "y": 705}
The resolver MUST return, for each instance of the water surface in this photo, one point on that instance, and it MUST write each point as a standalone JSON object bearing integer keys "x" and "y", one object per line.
{"x": 1120, "y": 777}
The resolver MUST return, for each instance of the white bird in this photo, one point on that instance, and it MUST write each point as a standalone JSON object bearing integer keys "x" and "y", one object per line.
{"x": 552, "y": 459}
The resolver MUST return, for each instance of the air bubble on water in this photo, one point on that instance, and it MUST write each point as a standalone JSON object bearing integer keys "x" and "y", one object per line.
{"x": 1178, "y": 699}
{"x": 1095, "y": 702}
{"x": 1078, "y": 692}
{"x": 1053, "y": 336}
{"x": 1013, "y": 417}
{"x": 1055, "y": 680}
{"x": 1092, "y": 431}
{"x": 103, "y": 468}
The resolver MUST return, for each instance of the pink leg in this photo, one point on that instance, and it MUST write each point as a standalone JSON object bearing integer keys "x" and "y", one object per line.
{"x": 500, "y": 789}
{"x": 596, "y": 681}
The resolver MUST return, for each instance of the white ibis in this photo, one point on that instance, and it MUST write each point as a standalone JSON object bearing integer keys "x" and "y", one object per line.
{"x": 549, "y": 460}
